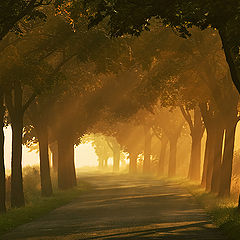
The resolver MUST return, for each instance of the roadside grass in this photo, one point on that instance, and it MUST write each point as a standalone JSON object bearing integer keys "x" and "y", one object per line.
{"x": 223, "y": 212}
{"x": 37, "y": 206}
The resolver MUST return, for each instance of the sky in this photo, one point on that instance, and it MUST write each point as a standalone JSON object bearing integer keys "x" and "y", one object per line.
{"x": 84, "y": 154}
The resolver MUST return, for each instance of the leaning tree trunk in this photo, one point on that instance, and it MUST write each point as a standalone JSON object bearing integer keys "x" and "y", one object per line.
{"x": 17, "y": 195}
{"x": 147, "y": 149}
{"x": 161, "y": 163}
{"x": 226, "y": 169}
{"x": 46, "y": 183}
{"x": 2, "y": 166}
{"x": 133, "y": 163}
{"x": 66, "y": 166}
{"x": 217, "y": 159}
{"x": 172, "y": 157}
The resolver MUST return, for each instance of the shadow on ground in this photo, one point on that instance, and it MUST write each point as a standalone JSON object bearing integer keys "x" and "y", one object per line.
{"x": 121, "y": 207}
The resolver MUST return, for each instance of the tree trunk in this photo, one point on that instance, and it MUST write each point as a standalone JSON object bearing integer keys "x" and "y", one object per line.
{"x": 172, "y": 157}
{"x": 17, "y": 195}
{"x": 100, "y": 162}
{"x": 66, "y": 166}
{"x": 147, "y": 149}
{"x": 229, "y": 58}
{"x": 133, "y": 163}
{"x": 226, "y": 168}
{"x": 217, "y": 159}
{"x": 205, "y": 163}
{"x": 54, "y": 150}
{"x": 105, "y": 163}
{"x": 195, "y": 159}
{"x": 116, "y": 157}
{"x": 2, "y": 166}
{"x": 211, "y": 155}
{"x": 46, "y": 184}
{"x": 161, "y": 163}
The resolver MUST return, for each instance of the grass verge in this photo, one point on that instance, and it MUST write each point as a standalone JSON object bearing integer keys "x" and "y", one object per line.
{"x": 223, "y": 212}
{"x": 39, "y": 207}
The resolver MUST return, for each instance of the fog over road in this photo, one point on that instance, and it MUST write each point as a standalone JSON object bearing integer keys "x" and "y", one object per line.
{"x": 120, "y": 207}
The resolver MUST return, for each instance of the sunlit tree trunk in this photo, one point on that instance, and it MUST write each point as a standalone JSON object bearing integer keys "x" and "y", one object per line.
{"x": 217, "y": 159}
{"x": 2, "y": 166}
{"x": 46, "y": 183}
{"x": 147, "y": 149}
{"x": 226, "y": 169}
{"x": 54, "y": 150}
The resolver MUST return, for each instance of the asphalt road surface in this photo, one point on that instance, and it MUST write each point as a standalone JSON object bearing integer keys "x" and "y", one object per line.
{"x": 120, "y": 207}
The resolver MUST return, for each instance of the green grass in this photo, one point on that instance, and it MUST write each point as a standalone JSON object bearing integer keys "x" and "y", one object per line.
{"x": 223, "y": 212}
{"x": 39, "y": 207}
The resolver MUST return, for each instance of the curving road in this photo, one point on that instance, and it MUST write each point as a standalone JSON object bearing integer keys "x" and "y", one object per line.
{"x": 121, "y": 207}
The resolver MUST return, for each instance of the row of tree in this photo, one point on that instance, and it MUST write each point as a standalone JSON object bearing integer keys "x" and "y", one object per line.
{"x": 60, "y": 82}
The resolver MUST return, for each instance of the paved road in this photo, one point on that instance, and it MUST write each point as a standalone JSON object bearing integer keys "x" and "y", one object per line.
{"x": 121, "y": 207}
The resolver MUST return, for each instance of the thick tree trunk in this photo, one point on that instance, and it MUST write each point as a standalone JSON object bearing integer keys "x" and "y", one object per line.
{"x": 133, "y": 163}
{"x": 226, "y": 169}
{"x": 17, "y": 195}
{"x": 2, "y": 166}
{"x": 46, "y": 183}
{"x": 195, "y": 159}
{"x": 172, "y": 157}
{"x": 116, "y": 157}
{"x": 54, "y": 151}
{"x": 147, "y": 149}
{"x": 228, "y": 48}
{"x": 211, "y": 155}
{"x": 161, "y": 163}
{"x": 217, "y": 159}
{"x": 66, "y": 166}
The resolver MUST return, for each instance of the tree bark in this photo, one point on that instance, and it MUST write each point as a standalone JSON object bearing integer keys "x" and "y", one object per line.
{"x": 226, "y": 169}
{"x": 217, "y": 159}
{"x": 17, "y": 195}
{"x": 161, "y": 163}
{"x": 66, "y": 166}
{"x": 172, "y": 157}
{"x": 147, "y": 149}
{"x": 2, "y": 166}
{"x": 197, "y": 129}
{"x": 46, "y": 183}
{"x": 195, "y": 159}
{"x": 54, "y": 150}
{"x": 230, "y": 58}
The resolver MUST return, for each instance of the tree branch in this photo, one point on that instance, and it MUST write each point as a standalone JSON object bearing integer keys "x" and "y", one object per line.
{"x": 188, "y": 118}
